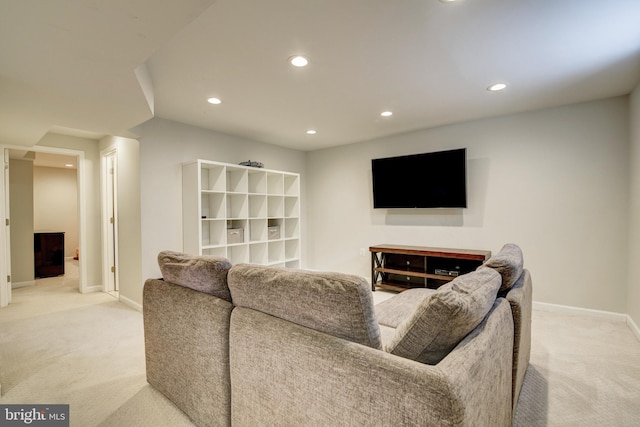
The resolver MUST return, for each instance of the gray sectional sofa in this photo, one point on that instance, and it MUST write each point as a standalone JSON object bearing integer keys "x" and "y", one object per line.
{"x": 249, "y": 345}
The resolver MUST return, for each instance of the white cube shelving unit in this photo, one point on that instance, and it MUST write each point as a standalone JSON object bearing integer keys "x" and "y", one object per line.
{"x": 221, "y": 196}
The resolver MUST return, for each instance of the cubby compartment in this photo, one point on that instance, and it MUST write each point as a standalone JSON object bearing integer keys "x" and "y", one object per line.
{"x": 275, "y": 183}
{"x": 274, "y": 229}
{"x": 276, "y": 251}
{"x": 236, "y": 231}
{"x": 291, "y": 249}
{"x": 257, "y": 230}
{"x": 220, "y": 251}
{"x": 275, "y": 206}
{"x": 237, "y": 181}
{"x": 238, "y": 254}
{"x": 291, "y": 207}
{"x": 257, "y": 182}
{"x": 257, "y": 206}
{"x": 295, "y": 264}
{"x": 237, "y": 206}
{"x": 291, "y": 185}
{"x": 212, "y": 178}
{"x": 213, "y": 232}
{"x": 291, "y": 228}
{"x": 258, "y": 253}
{"x": 212, "y": 205}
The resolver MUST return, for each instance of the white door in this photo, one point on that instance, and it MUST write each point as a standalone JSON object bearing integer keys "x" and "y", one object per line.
{"x": 5, "y": 250}
{"x": 110, "y": 217}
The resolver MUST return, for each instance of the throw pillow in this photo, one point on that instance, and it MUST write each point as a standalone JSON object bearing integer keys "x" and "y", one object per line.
{"x": 206, "y": 274}
{"x": 443, "y": 319}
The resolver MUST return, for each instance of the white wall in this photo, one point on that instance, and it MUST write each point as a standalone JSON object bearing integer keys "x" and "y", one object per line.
{"x": 128, "y": 216}
{"x": 21, "y": 215}
{"x": 55, "y": 204}
{"x": 164, "y": 146}
{"x": 633, "y": 305}
{"x": 553, "y": 181}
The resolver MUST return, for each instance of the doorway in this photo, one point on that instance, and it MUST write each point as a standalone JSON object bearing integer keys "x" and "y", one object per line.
{"x": 69, "y": 161}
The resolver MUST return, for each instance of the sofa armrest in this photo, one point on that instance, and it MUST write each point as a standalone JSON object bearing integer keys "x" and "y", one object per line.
{"x": 520, "y": 299}
{"x": 186, "y": 336}
{"x": 286, "y": 374}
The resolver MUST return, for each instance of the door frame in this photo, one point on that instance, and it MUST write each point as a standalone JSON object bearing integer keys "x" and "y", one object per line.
{"x": 5, "y": 261}
{"x": 5, "y": 250}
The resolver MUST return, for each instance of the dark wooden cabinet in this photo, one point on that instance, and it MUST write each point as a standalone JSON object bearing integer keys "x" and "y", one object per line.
{"x": 403, "y": 267}
{"x": 48, "y": 250}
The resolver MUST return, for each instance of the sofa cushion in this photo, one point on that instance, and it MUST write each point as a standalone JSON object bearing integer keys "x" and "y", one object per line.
{"x": 393, "y": 311}
{"x": 443, "y": 319}
{"x": 337, "y": 304}
{"x": 509, "y": 263}
{"x": 206, "y": 274}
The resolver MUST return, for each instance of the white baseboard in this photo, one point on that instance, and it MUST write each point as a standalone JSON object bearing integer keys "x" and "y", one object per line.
{"x": 609, "y": 315}
{"x": 23, "y": 284}
{"x": 130, "y": 303}
{"x": 544, "y": 306}
{"x": 633, "y": 327}
{"x": 94, "y": 288}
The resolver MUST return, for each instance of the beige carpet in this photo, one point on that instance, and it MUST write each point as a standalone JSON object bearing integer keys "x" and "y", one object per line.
{"x": 59, "y": 346}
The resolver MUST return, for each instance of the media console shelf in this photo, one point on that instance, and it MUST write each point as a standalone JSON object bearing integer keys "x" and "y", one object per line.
{"x": 400, "y": 268}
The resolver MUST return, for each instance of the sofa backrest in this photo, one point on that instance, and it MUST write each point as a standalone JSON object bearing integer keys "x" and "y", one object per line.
{"x": 517, "y": 289}
{"x": 206, "y": 274}
{"x": 186, "y": 336}
{"x": 334, "y": 303}
{"x": 509, "y": 263}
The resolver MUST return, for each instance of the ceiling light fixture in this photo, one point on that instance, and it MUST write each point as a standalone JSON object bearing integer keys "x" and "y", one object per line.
{"x": 214, "y": 101}
{"x": 311, "y": 132}
{"x": 299, "y": 61}
{"x": 386, "y": 113}
{"x": 497, "y": 87}
{"x": 69, "y": 165}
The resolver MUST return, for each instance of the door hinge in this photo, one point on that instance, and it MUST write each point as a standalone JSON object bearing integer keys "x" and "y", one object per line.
{"x": 111, "y": 220}
{"x": 113, "y": 269}
{"x": 6, "y": 221}
{"x": 8, "y": 278}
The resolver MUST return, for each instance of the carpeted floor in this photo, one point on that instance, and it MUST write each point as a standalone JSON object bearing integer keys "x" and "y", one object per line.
{"x": 59, "y": 346}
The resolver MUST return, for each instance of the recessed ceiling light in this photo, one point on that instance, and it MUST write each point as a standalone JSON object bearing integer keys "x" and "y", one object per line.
{"x": 497, "y": 87}
{"x": 299, "y": 61}
{"x": 311, "y": 132}
{"x": 214, "y": 101}
{"x": 68, "y": 165}
{"x": 386, "y": 113}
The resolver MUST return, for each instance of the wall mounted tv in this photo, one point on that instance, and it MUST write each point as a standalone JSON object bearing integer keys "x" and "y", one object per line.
{"x": 428, "y": 180}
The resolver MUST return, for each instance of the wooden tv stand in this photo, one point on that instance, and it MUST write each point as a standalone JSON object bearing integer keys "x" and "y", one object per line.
{"x": 400, "y": 268}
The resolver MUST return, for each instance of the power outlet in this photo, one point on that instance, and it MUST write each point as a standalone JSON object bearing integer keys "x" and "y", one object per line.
{"x": 363, "y": 251}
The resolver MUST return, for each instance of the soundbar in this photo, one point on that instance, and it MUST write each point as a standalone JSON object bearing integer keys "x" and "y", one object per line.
{"x": 452, "y": 273}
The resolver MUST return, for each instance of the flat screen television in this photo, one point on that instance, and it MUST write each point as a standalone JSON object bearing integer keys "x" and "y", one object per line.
{"x": 428, "y": 180}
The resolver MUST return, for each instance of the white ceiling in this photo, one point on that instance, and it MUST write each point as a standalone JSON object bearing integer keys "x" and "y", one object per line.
{"x": 102, "y": 67}
{"x": 42, "y": 159}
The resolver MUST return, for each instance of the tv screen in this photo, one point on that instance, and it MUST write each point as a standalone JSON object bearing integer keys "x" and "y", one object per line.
{"x": 428, "y": 180}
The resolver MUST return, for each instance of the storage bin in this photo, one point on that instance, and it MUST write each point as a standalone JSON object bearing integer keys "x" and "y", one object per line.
{"x": 274, "y": 232}
{"x": 235, "y": 235}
